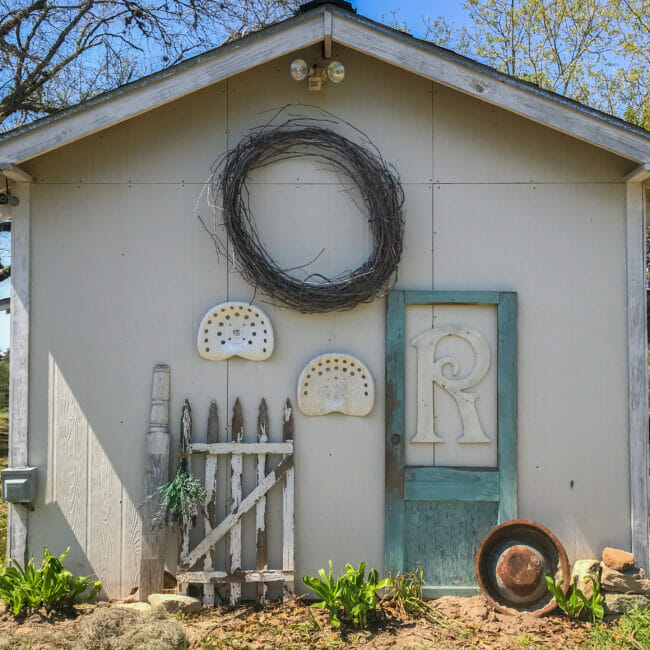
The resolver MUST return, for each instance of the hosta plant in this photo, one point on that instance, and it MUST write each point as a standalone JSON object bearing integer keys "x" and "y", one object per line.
{"x": 349, "y": 598}
{"x": 51, "y": 586}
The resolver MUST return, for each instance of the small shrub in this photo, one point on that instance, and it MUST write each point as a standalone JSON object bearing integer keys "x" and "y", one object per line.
{"x": 51, "y": 586}
{"x": 577, "y": 602}
{"x": 351, "y": 597}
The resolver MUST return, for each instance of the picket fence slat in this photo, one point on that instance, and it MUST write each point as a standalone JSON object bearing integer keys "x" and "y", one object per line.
{"x": 185, "y": 442}
{"x": 261, "y": 562}
{"x": 210, "y": 497}
{"x": 287, "y": 506}
{"x": 236, "y": 468}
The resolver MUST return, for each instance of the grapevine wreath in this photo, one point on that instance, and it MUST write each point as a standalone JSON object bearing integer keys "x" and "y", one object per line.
{"x": 361, "y": 163}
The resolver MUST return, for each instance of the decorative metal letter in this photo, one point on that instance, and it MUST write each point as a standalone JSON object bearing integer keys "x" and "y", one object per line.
{"x": 430, "y": 371}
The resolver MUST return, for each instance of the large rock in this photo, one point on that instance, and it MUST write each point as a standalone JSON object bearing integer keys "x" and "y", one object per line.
{"x": 172, "y": 603}
{"x": 620, "y": 603}
{"x": 138, "y": 608}
{"x": 617, "y": 559}
{"x": 624, "y": 583}
{"x": 580, "y": 572}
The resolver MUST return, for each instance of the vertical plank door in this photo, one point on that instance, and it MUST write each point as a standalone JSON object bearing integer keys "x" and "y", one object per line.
{"x": 437, "y": 516}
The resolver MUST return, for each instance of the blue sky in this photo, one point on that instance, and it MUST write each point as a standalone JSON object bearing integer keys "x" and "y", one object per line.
{"x": 411, "y": 11}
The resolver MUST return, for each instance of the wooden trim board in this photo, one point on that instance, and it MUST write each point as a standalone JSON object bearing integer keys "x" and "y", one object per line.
{"x": 149, "y": 94}
{"x": 637, "y": 371}
{"x": 19, "y": 363}
{"x": 409, "y": 54}
{"x": 327, "y": 25}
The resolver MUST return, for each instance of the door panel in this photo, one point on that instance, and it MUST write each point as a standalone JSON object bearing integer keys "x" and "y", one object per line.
{"x": 436, "y": 516}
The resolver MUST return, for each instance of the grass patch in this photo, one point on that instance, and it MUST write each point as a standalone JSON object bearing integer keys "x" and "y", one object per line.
{"x": 630, "y": 631}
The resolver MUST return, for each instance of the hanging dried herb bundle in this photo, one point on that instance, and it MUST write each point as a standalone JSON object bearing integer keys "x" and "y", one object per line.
{"x": 183, "y": 498}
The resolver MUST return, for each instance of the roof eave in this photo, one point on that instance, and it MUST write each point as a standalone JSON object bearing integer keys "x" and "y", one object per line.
{"x": 322, "y": 23}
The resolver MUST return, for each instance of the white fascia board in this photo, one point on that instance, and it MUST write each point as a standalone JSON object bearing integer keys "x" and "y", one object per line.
{"x": 489, "y": 88}
{"x": 62, "y": 130}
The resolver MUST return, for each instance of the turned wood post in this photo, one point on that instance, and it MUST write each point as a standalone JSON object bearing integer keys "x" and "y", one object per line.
{"x": 156, "y": 473}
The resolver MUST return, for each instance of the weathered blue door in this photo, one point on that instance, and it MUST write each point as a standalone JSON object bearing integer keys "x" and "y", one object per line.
{"x": 437, "y": 516}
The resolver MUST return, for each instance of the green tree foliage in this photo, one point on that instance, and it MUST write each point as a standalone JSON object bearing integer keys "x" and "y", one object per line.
{"x": 594, "y": 51}
{"x": 4, "y": 380}
{"x": 54, "y": 53}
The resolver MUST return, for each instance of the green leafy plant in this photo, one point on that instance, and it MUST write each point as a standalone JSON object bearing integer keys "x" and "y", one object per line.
{"x": 51, "y": 586}
{"x": 351, "y": 597}
{"x": 408, "y": 592}
{"x": 594, "y": 605}
{"x": 576, "y": 602}
{"x": 181, "y": 500}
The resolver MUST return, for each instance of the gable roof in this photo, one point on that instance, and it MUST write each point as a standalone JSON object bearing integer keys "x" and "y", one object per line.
{"x": 322, "y": 22}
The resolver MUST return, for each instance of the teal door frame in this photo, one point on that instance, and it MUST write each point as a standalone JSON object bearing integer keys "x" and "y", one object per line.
{"x": 438, "y": 483}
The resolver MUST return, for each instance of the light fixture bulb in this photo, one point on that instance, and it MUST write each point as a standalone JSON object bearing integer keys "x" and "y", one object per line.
{"x": 336, "y": 72}
{"x": 299, "y": 70}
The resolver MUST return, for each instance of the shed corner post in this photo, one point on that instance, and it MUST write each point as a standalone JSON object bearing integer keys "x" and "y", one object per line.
{"x": 19, "y": 359}
{"x": 637, "y": 348}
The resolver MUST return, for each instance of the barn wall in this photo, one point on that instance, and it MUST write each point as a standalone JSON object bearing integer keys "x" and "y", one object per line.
{"x": 123, "y": 271}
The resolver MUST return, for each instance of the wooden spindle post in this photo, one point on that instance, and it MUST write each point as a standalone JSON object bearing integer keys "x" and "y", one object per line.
{"x": 156, "y": 474}
{"x": 260, "y": 509}
{"x": 236, "y": 467}
{"x": 211, "y": 492}
{"x": 287, "y": 505}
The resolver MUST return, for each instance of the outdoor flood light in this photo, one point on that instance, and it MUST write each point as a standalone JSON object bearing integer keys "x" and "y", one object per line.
{"x": 336, "y": 72}
{"x": 316, "y": 76}
{"x": 299, "y": 70}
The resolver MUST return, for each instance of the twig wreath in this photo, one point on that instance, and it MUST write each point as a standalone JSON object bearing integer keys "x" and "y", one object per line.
{"x": 362, "y": 164}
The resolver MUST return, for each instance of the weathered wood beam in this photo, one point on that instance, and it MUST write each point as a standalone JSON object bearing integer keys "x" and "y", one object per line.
{"x": 207, "y": 577}
{"x": 327, "y": 35}
{"x": 14, "y": 173}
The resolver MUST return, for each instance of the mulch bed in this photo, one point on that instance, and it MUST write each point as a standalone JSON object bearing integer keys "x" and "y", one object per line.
{"x": 455, "y": 623}
{"x": 458, "y": 623}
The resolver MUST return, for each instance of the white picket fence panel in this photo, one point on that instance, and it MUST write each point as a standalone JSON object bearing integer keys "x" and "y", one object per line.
{"x": 230, "y": 527}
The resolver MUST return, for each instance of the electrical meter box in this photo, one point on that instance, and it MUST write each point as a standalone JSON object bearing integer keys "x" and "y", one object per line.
{"x": 19, "y": 484}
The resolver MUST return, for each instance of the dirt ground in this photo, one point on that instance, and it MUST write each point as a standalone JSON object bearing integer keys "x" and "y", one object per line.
{"x": 456, "y": 623}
